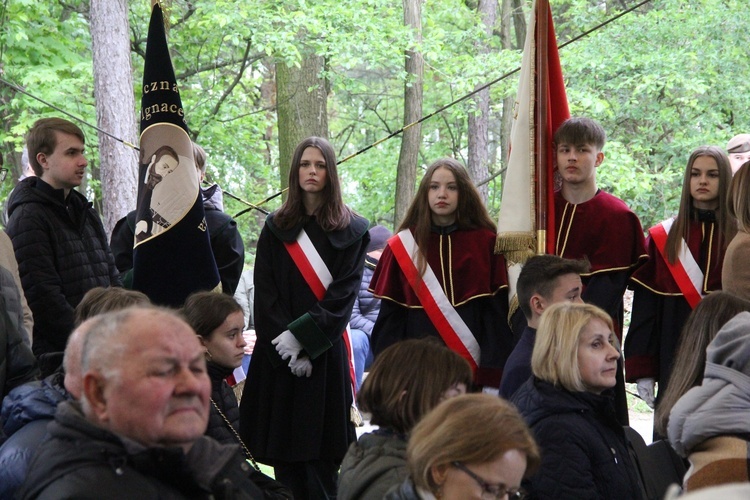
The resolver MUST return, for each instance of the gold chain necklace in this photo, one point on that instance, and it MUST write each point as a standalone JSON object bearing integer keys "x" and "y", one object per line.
{"x": 239, "y": 439}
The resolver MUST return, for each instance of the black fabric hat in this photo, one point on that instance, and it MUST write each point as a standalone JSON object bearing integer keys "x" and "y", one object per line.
{"x": 378, "y": 237}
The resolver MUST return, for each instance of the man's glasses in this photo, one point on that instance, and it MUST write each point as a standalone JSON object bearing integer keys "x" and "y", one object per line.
{"x": 494, "y": 491}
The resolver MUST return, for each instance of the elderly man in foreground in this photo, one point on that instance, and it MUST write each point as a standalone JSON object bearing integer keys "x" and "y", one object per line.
{"x": 138, "y": 430}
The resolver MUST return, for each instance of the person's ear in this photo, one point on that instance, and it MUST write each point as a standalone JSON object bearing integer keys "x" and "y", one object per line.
{"x": 202, "y": 340}
{"x": 41, "y": 158}
{"x": 599, "y": 158}
{"x": 538, "y": 304}
{"x": 439, "y": 474}
{"x": 93, "y": 390}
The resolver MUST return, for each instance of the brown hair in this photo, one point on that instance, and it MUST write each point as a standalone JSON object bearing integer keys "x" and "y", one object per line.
{"x": 472, "y": 429}
{"x": 42, "y": 138}
{"x": 100, "y": 300}
{"x": 555, "y": 355}
{"x": 199, "y": 155}
{"x": 581, "y": 130}
{"x": 332, "y": 214}
{"x": 724, "y": 218}
{"x": 470, "y": 213}
{"x": 711, "y": 313}
{"x": 738, "y": 202}
{"x": 539, "y": 276}
{"x": 206, "y": 311}
{"x": 408, "y": 379}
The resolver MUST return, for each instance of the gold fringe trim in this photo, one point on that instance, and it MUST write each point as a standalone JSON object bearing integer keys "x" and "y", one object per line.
{"x": 516, "y": 247}
{"x": 512, "y": 307}
{"x": 356, "y": 417}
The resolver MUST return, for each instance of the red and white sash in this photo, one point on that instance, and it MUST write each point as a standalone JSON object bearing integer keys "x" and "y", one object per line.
{"x": 318, "y": 277}
{"x": 439, "y": 309}
{"x": 685, "y": 271}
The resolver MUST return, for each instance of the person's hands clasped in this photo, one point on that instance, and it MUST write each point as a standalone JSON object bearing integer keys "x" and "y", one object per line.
{"x": 287, "y": 346}
{"x": 301, "y": 367}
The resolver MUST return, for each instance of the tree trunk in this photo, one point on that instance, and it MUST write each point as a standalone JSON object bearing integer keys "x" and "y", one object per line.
{"x": 412, "y": 137}
{"x": 302, "y": 109}
{"x": 512, "y": 14}
{"x": 479, "y": 119}
{"x": 115, "y": 108}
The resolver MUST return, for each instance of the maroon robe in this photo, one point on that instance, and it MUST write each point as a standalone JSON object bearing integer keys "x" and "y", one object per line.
{"x": 475, "y": 281}
{"x": 659, "y": 307}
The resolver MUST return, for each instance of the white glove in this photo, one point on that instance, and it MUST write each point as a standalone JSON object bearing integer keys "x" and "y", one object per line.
{"x": 301, "y": 366}
{"x": 646, "y": 388}
{"x": 287, "y": 346}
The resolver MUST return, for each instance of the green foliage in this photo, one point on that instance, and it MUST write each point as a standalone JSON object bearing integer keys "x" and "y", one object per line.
{"x": 662, "y": 81}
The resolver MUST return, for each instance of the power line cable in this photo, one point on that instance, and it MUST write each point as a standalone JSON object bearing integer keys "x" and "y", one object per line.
{"x": 256, "y": 206}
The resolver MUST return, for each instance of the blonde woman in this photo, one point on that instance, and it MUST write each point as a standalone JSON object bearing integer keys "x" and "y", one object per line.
{"x": 568, "y": 403}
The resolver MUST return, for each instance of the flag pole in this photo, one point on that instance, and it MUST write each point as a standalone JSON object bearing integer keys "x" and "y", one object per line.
{"x": 541, "y": 117}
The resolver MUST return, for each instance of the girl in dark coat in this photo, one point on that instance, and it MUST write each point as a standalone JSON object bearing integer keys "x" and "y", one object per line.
{"x": 295, "y": 409}
{"x": 568, "y": 404}
{"x": 219, "y": 321}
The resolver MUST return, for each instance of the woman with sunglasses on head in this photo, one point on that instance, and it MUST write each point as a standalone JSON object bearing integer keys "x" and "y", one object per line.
{"x": 569, "y": 405}
{"x": 474, "y": 446}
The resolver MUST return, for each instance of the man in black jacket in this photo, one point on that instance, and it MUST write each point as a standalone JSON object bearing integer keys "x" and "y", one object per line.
{"x": 139, "y": 429}
{"x": 58, "y": 238}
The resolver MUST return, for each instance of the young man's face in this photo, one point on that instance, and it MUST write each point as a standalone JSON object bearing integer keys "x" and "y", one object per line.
{"x": 577, "y": 162}
{"x": 568, "y": 288}
{"x": 736, "y": 160}
{"x": 66, "y": 166}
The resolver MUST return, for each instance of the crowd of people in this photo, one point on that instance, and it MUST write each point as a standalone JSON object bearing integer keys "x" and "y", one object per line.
{"x": 473, "y": 391}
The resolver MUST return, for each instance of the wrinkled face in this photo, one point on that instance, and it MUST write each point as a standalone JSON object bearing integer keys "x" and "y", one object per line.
{"x": 226, "y": 344}
{"x": 313, "y": 174}
{"x": 499, "y": 476}
{"x": 577, "y": 162}
{"x": 704, "y": 183}
{"x": 736, "y": 160}
{"x": 161, "y": 395}
{"x": 165, "y": 165}
{"x": 597, "y": 356}
{"x": 66, "y": 166}
{"x": 442, "y": 197}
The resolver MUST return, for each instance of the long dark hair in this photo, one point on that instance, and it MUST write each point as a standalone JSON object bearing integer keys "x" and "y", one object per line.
{"x": 470, "y": 213}
{"x": 332, "y": 213}
{"x": 724, "y": 222}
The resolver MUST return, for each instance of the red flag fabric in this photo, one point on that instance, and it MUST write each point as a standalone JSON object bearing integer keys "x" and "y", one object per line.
{"x": 525, "y": 224}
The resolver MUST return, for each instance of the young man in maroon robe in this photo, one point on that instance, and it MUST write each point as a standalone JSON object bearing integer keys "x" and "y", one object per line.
{"x": 594, "y": 225}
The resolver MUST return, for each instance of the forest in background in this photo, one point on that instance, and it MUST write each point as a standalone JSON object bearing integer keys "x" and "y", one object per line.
{"x": 662, "y": 80}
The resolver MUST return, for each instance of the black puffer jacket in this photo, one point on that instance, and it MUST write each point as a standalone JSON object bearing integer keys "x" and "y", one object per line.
{"x": 81, "y": 460}
{"x": 224, "y": 397}
{"x": 62, "y": 253}
{"x": 584, "y": 450}
{"x": 17, "y": 362}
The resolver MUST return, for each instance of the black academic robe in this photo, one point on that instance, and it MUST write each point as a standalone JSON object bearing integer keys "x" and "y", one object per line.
{"x": 297, "y": 419}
